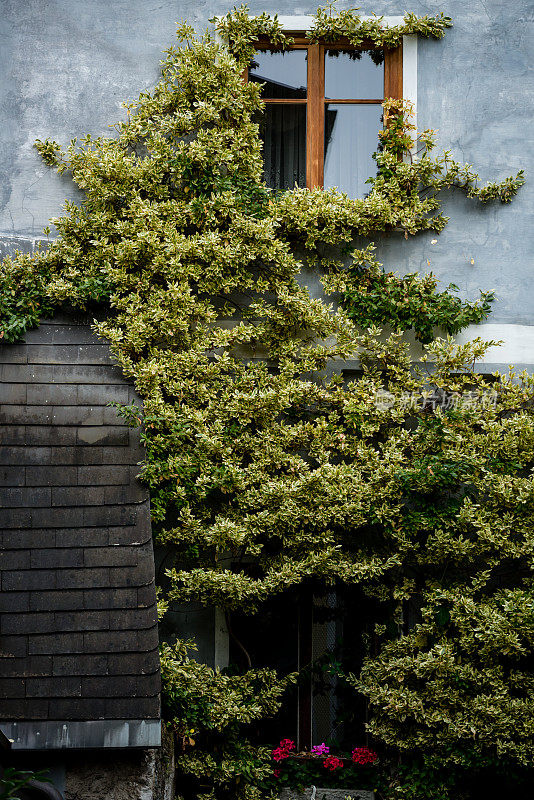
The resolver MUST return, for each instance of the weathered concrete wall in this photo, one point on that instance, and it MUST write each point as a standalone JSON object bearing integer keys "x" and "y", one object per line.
{"x": 139, "y": 775}
{"x": 66, "y": 65}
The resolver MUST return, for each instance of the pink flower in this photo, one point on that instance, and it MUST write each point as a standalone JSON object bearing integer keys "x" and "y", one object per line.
{"x": 320, "y": 749}
{"x": 363, "y": 756}
{"x": 276, "y": 773}
{"x": 332, "y": 763}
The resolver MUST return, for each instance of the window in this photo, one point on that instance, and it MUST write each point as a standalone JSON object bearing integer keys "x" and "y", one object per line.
{"x": 323, "y": 111}
{"x": 305, "y": 630}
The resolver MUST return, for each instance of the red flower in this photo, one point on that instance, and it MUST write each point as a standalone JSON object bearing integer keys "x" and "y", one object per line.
{"x": 332, "y": 763}
{"x": 363, "y": 756}
{"x": 276, "y": 773}
{"x": 279, "y": 754}
{"x": 287, "y": 744}
{"x": 282, "y": 751}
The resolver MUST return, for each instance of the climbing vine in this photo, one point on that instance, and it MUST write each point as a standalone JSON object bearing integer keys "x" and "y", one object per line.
{"x": 407, "y": 302}
{"x": 269, "y": 471}
{"x": 241, "y": 30}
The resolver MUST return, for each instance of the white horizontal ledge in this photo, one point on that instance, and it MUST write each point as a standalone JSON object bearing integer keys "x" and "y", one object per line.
{"x": 517, "y": 347}
{"x": 304, "y": 23}
{"x": 76, "y": 735}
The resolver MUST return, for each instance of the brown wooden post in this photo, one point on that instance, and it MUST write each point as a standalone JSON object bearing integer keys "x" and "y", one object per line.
{"x": 393, "y": 73}
{"x": 315, "y": 117}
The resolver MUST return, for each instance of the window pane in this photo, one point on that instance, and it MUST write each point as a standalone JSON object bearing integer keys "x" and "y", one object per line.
{"x": 285, "y": 74}
{"x": 283, "y": 130}
{"x": 354, "y": 74}
{"x": 351, "y": 137}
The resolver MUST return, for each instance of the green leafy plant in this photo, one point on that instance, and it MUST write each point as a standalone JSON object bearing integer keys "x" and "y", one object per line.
{"x": 210, "y": 713}
{"x": 408, "y": 301}
{"x": 13, "y": 780}
{"x": 412, "y": 482}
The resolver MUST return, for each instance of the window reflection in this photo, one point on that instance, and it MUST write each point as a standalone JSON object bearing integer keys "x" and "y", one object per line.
{"x": 284, "y": 74}
{"x": 354, "y": 74}
{"x": 351, "y": 137}
{"x": 283, "y": 131}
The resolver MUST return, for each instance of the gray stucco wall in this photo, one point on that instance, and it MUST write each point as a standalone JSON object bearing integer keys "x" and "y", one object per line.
{"x": 66, "y": 65}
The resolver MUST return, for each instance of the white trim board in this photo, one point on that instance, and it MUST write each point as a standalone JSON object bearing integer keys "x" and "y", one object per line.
{"x": 79, "y": 734}
{"x": 517, "y": 347}
{"x": 409, "y": 73}
{"x": 304, "y": 23}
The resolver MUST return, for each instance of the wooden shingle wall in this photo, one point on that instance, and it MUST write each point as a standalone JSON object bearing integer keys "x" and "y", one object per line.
{"x": 78, "y": 627}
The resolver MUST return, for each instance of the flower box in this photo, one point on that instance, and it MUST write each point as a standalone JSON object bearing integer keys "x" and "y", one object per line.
{"x": 327, "y": 794}
{"x": 309, "y": 767}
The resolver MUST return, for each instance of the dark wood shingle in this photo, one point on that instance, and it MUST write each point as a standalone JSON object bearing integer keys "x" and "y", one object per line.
{"x": 78, "y": 625}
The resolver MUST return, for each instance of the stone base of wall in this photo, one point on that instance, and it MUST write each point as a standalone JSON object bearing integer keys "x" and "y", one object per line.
{"x": 121, "y": 775}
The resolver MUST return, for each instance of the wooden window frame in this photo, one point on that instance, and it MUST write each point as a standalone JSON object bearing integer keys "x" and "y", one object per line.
{"x": 316, "y": 101}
